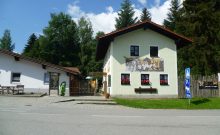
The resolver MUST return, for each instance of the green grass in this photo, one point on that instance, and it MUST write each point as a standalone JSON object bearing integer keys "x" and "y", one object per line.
{"x": 196, "y": 103}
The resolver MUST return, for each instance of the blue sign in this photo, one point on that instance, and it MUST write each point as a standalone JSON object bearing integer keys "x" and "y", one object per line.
{"x": 187, "y": 83}
{"x": 187, "y": 73}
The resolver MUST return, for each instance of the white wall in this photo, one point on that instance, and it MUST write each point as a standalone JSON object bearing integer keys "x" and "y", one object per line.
{"x": 32, "y": 74}
{"x": 144, "y": 39}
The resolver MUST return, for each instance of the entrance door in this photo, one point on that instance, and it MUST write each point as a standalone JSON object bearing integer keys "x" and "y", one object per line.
{"x": 54, "y": 84}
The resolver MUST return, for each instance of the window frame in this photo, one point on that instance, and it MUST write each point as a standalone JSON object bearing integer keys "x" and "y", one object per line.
{"x": 145, "y": 81}
{"x": 134, "y": 50}
{"x": 164, "y": 81}
{"x": 157, "y": 51}
{"x": 125, "y": 82}
{"x": 12, "y": 77}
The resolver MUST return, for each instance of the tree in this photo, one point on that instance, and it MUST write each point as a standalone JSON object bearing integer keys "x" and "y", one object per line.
{"x": 30, "y": 44}
{"x": 145, "y": 15}
{"x": 125, "y": 15}
{"x": 85, "y": 33}
{"x": 6, "y": 41}
{"x": 201, "y": 21}
{"x": 99, "y": 34}
{"x": 60, "y": 43}
{"x": 173, "y": 15}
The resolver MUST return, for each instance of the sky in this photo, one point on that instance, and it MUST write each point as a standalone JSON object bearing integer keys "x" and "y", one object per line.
{"x": 24, "y": 17}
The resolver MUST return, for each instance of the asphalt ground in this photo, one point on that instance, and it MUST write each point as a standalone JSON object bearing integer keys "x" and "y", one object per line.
{"x": 48, "y": 116}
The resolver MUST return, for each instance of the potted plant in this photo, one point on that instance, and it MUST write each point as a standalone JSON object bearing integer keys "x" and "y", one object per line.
{"x": 107, "y": 95}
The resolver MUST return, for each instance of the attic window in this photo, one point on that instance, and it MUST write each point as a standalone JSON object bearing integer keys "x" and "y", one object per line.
{"x": 134, "y": 50}
{"x": 153, "y": 51}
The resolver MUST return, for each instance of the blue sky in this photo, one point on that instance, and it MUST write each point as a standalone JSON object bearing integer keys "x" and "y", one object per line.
{"x": 24, "y": 17}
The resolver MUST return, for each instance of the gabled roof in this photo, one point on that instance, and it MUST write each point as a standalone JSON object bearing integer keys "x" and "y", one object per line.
{"x": 17, "y": 56}
{"x": 105, "y": 40}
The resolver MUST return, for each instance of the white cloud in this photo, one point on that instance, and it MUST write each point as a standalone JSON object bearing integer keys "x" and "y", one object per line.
{"x": 143, "y": 2}
{"x": 110, "y": 9}
{"x": 74, "y": 10}
{"x": 105, "y": 21}
{"x": 159, "y": 13}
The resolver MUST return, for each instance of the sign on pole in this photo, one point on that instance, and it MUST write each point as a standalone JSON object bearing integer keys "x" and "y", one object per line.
{"x": 187, "y": 83}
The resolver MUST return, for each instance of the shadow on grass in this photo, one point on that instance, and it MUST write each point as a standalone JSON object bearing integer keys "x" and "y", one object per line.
{"x": 200, "y": 101}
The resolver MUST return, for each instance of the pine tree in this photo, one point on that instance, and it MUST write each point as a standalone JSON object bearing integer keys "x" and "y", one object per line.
{"x": 125, "y": 15}
{"x": 6, "y": 41}
{"x": 173, "y": 15}
{"x": 32, "y": 39}
{"x": 145, "y": 15}
{"x": 200, "y": 21}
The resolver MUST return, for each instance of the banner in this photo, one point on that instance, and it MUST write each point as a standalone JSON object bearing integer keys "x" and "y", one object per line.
{"x": 187, "y": 83}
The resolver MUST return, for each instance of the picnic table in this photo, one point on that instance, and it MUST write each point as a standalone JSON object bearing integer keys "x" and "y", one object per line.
{"x": 12, "y": 89}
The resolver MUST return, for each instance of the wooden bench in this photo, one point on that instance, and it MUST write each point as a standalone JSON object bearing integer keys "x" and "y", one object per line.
{"x": 145, "y": 90}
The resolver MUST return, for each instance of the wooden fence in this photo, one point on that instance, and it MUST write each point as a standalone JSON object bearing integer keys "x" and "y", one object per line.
{"x": 198, "y": 88}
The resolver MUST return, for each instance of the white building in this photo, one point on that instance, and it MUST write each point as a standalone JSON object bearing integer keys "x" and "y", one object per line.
{"x": 36, "y": 76}
{"x": 140, "y": 60}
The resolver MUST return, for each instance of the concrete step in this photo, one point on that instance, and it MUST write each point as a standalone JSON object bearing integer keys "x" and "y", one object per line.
{"x": 98, "y": 102}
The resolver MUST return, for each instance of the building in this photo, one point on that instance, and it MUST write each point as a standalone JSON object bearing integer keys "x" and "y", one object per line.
{"x": 140, "y": 60}
{"x": 36, "y": 76}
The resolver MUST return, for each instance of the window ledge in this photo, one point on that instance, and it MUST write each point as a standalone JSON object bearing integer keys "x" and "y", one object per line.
{"x": 164, "y": 84}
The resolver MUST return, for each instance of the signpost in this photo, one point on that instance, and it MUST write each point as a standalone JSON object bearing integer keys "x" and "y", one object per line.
{"x": 187, "y": 84}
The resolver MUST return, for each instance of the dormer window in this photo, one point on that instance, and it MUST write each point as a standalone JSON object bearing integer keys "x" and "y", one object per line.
{"x": 134, "y": 50}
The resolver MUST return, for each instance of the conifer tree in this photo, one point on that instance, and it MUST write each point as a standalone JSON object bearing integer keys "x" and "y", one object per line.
{"x": 32, "y": 39}
{"x": 145, "y": 15}
{"x": 173, "y": 15}
{"x": 6, "y": 41}
{"x": 125, "y": 15}
{"x": 200, "y": 21}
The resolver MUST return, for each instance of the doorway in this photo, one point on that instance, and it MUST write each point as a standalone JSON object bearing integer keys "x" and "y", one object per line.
{"x": 54, "y": 84}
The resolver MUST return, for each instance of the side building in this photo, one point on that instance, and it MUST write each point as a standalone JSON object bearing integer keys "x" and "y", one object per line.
{"x": 36, "y": 76}
{"x": 140, "y": 60}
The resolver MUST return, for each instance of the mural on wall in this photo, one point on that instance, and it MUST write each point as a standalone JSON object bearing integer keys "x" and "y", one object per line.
{"x": 146, "y": 64}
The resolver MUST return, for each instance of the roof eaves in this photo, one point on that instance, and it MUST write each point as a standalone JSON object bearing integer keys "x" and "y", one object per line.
{"x": 36, "y": 61}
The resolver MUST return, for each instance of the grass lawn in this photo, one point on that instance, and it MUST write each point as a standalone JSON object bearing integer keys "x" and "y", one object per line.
{"x": 196, "y": 103}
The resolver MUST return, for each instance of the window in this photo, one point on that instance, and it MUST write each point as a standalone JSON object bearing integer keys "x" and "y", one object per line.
{"x": 109, "y": 80}
{"x": 153, "y": 51}
{"x": 46, "y": 77}
{"x": 125, "y": 79}
{"x": 15, "y": 77}
{"x": 134, "y": 50}
{"x": 145, "y": 79}
{"x": 163, "y": 79}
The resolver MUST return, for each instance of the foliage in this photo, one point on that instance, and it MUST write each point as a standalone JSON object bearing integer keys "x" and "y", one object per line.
{"x": 125, "y": 15}
{"x": 196, "y": 103}
{"x": 86, "y": 44}
{"x": 67, "y": 44}
{"x": 6, "y": 41}
{"x": 173, "y": 15}
{"x": 63, "y": 88}
{"x": 199, "y": 20}
{"x": 63, "y": 43}
{"x": 87, "y": 48}
{"x": 59, "y": 44}
{"x": 29, "y": 46}
{"x": 145, "y": 15}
